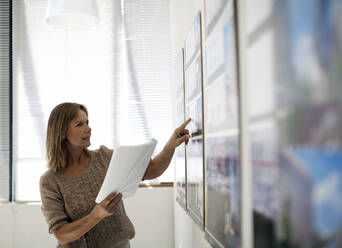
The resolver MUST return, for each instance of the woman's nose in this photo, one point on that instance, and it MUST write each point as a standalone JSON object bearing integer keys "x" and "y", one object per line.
{"x": 88, "y": 130}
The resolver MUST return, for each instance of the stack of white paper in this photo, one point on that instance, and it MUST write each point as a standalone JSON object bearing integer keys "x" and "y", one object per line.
{"x": 126, "y": 169}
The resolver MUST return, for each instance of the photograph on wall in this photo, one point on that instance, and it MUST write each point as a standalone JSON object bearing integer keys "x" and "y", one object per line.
{"x": 221, "y": 102}
{"x": 265, "y": 177}
{"x": 222, "y": 156}
{"x": 264, "y": 167}
{"x": 193, "y": 42}
{"x": 220, "y": 51}
{"x": 193, "y": 109}
{"x": 180, "y": 168}
{"x": 194, "y": 155}
{"x": 304, "y": 164}
{"x": 212, "y": 12}
{"x": 222, "y": 190}
{"x": 193, "y": 78}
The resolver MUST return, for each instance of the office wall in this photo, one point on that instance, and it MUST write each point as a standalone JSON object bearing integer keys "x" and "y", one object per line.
{"x": 150, "y": 210}
{"x": 182, "y": 15}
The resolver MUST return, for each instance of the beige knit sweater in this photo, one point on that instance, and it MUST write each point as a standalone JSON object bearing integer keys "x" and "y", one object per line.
{"x": 69, "y": 198}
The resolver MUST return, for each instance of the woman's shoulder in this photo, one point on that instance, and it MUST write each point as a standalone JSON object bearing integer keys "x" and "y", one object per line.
{"x": 102, "y": 149}
{"x": 47, "y": 175}
{"x": 48, "y": 178}
{"x": 103, "y": 153}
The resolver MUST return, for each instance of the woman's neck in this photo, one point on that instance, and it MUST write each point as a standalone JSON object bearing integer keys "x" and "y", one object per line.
{"x": 78, "y": 162}
{"x": 76, "y": 155}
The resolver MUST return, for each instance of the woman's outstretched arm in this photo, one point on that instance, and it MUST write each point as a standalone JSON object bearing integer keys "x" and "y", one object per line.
{"x": 161, "y": 162}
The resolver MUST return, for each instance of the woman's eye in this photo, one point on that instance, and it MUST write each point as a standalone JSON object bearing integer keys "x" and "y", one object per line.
{"x": 79, "y": 124}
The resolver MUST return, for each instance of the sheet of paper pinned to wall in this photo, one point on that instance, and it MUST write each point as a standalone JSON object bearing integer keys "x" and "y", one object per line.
{"x": 126, "y": 169}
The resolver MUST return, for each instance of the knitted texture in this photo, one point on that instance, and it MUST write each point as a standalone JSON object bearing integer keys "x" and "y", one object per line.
{"x": 69, "y": 198}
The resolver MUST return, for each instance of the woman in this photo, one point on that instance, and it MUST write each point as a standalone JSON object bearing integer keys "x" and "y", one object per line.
{"x": 69, "y": 188}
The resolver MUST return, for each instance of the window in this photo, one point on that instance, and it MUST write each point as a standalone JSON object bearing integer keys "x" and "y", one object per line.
{"x": 4, "y": 100}
{"x": 121, "y": 70}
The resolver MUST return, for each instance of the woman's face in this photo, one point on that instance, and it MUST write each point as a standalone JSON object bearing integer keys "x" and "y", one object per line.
{"x": 79, "y": 132}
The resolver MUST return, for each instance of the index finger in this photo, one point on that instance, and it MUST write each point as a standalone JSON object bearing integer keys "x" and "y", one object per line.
{"x": 110, "y": 197}
{"x": 185, "y": 124}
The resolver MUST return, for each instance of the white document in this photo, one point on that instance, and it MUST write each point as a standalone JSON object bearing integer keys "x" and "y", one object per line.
{"x": 126, "y": 169}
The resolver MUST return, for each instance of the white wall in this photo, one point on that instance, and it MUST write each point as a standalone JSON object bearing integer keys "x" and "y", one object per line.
{"x": 150, "y": 210}
{"x": 23, "y": 225}
{"x": 182, "y": 15}
{"x": 187, "y": 233}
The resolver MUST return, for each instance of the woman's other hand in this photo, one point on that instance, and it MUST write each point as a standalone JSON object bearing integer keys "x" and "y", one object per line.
{"x": 180, "y": 135}
{"x": 76, "y": 229}
{"x": 107, "y": 206}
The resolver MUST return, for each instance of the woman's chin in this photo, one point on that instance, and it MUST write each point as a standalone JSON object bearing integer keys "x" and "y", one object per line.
{"x": 85, "y": 145}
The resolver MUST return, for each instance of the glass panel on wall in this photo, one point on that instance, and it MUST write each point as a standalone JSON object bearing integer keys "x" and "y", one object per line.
{"x": 193, "y": 110}
{"x": 180, "y": 168}
{"x": 295, "y": 71}
{"x": 222, "y": 132}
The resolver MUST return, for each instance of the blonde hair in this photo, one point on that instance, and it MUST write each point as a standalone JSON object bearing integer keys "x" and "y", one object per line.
{"x": 56, "y": 137}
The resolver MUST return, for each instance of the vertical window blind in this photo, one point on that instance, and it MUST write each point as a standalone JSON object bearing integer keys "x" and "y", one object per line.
{"x": 4, "y": 100}
{"x": 145, "y": 96}
{"x": 121, "y": 70}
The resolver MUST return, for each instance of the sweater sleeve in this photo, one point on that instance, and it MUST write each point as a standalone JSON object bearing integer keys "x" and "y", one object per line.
{"x": 52, "y": 203}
